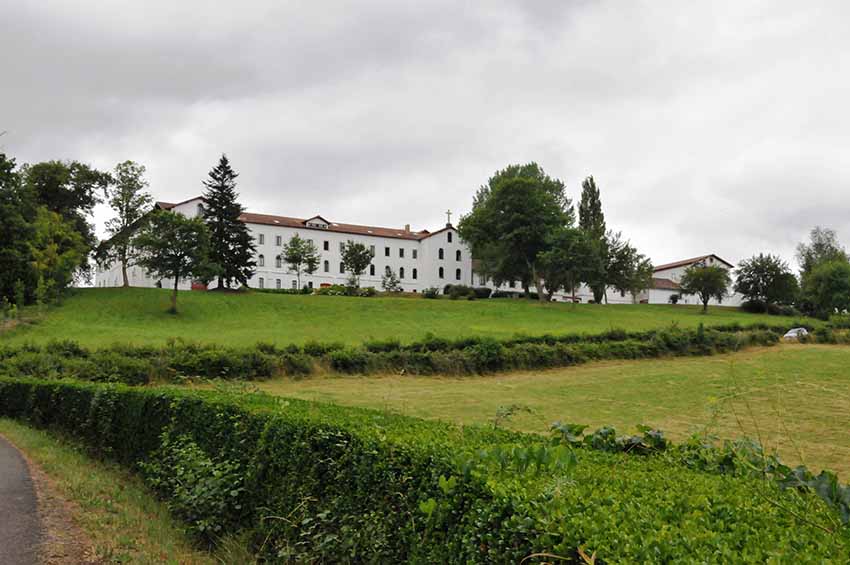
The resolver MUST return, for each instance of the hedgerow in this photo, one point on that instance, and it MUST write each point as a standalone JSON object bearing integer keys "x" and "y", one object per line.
{"x": 431, "y": 355}
{"x": 307, "y": 482}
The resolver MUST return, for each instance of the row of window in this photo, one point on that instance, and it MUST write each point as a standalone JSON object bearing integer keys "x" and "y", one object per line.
{"x": 262, "y": 283}
{"x": 401, "y": 272}
{"x": 261, "y": 238}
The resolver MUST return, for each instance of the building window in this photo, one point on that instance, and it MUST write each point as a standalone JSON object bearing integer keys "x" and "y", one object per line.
{"x": 277, "y": 284}
{"x": 341, "y": 246}
{"x": 414, "y": 274}
{"x": 372, "y": 250}
{"x": 440, "y": 272}
{"x": 327, "y": 246}
{"x": 310, "y": 284}
{"x": 342, "y": 267}
{"x": 261, "y": 238}
{"x": 440, "y": 253}
{"x": 512, "y": 284}
{"x": 401, "y": 272}
{"x": 387, "y": 270}
{"x": 278, "y": 240}
{"x": 401, "y": 252}
{"x": 457, "y": 274}
{"x": 386, "y": 251}
{"x": 327, "y": 266}
{"x": 372, "y": 270}
{"x": 262, "y": 283}
{"x": 294, "y": 284}
{"x": 261, "y": 261}
{"x": 449, "y": 237}
{"x": 278, "y": 262}
{"x": 415, "y": 253}
{"x": 200, "y": 210}
{"x": 457, "y": 255}
{"x": 482, "y": 280}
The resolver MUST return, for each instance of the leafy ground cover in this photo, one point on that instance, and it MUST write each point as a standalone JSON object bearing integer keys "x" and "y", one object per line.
{"x": 316, "y": 482}
{"x": 794, "y": 397}
{"x": 100, "y": 317}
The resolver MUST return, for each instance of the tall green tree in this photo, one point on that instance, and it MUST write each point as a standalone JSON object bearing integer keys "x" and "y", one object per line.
{"x": 232, "y": 248}
{"x": 564, "y": 264}
{"x": 592, "y": 222}
{"x": 514, "y": 221}
{"x": 823, "y": 246}
{"x": 70, "y": 189}
{"x": 17, "y": 230}
{"x": 356, "y": 258}
{"x": 57, "y": 250}
{"x": 706, "y": 282}
{"x": 628, "y": 271}
{"x": 302, "y": 256}
{"x": 828, "y": 287}
{"x": 130, "y": 201}
{"x": 172, "y": 246}
{"x": 766, "y": 278}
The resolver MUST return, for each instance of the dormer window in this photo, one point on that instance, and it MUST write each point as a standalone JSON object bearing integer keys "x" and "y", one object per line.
{"x": 317, "y": 222}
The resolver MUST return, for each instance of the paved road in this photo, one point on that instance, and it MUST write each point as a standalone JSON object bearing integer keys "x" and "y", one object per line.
{"x": 20, "y": 529}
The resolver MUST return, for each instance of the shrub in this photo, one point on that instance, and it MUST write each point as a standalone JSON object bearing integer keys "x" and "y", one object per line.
{"x": 483, "y": 292}
{"x": 431, "y": 292}
{"x": 349, "y": 361}
{"x": 312, "y": 482}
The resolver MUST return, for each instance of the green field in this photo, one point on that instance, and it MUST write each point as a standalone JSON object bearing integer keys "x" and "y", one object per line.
{"x": 97, "y": 317}
{"x": 793, "y": 397}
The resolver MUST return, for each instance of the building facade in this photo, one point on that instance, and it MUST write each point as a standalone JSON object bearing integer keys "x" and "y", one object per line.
{"x": 420, "y": 259}
{"x": 665, "y": 282}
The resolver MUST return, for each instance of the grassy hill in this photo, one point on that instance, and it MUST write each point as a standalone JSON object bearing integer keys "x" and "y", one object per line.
{"x": 96, "y": 317}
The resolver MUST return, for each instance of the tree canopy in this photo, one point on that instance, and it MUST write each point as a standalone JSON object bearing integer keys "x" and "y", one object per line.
{"x": 766, "y": 278}
{"x": 356, "y": 258}
{"x": 515, "y": 219}
{"x": 706, "y": 282}
{"x": 172, "y": 246}
{"x": 302, "y": 256}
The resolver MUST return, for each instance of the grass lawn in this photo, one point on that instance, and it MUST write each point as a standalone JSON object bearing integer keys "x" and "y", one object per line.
{"x": 794, "y": 397}
{"x": 103, "y": 316}
{"x": 120, "y": 516}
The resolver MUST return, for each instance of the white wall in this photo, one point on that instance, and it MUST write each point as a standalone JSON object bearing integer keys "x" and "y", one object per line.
{"x": 426, "y": 263}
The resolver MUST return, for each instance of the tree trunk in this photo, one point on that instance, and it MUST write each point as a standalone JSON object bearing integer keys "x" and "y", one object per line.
{"x": 174, "y": 296}
{"x": 123, "y": 259}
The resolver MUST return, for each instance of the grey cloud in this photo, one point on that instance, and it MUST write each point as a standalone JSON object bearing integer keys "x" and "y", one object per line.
{"x": 715, "y": 127}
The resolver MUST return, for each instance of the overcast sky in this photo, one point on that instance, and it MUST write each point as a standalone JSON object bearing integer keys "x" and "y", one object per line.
{"x": 715, "y": 128}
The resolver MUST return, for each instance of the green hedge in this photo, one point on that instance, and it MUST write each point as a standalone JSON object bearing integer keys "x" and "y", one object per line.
{"x": 431, "y": 355}
{"x": 307, "y": 482}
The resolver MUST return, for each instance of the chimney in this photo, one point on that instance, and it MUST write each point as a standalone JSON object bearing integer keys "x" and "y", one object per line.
{"x": 407, "y": 228}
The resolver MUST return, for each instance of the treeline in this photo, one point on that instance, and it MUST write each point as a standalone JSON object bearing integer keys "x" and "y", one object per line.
{"x": 523, "y": 227}
{"x": 46, "y": 236}
{"x": 822, "y": 288}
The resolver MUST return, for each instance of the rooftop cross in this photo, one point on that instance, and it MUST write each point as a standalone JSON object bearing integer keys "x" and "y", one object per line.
{"x": 448, "y": 216}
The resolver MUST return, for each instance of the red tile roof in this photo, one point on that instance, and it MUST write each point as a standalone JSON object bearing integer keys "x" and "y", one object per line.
{"x": 301, "y": 223}
{"x": 689, "y": 262}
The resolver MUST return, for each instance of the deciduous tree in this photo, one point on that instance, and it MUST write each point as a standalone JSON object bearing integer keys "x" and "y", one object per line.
{"x": 513, "y": 222}
{"x": 706, "y": 282}
{"x": 130, "y": 201}
{"x": 828, "y": 287}
{"x": 302, "y": 256}
{"x": 172, "y": 246}
{"x": 356, "y": 258}
{"x": 766, "y": 278}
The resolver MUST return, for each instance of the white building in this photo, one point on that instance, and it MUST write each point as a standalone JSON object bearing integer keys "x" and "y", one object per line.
{"x": 665, "y": 282}
{"x": 420, "y": 259}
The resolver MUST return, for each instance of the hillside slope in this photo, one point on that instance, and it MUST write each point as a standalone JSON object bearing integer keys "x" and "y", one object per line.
{"x": 96, "y": 317}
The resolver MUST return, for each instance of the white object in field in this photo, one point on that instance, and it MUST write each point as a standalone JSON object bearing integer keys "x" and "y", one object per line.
{"x": 796, "y": 333}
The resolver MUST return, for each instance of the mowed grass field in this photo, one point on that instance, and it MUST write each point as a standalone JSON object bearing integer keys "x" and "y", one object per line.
{"x": 98, "y": 317}
{"x": 794, "y": 398}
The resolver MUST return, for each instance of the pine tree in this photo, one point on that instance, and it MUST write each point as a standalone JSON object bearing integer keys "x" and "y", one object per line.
{"x": 232, "y": 248}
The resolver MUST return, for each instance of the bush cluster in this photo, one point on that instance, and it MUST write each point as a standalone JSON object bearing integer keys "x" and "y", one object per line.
{"x": 460, "y": 291}
{"x": 761, "y": 307}
{"x": 343, "y": 290}
{"x": 307, "y": 482}
{"x": 430, "y": 355}
{"x": 302, "y": 290}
